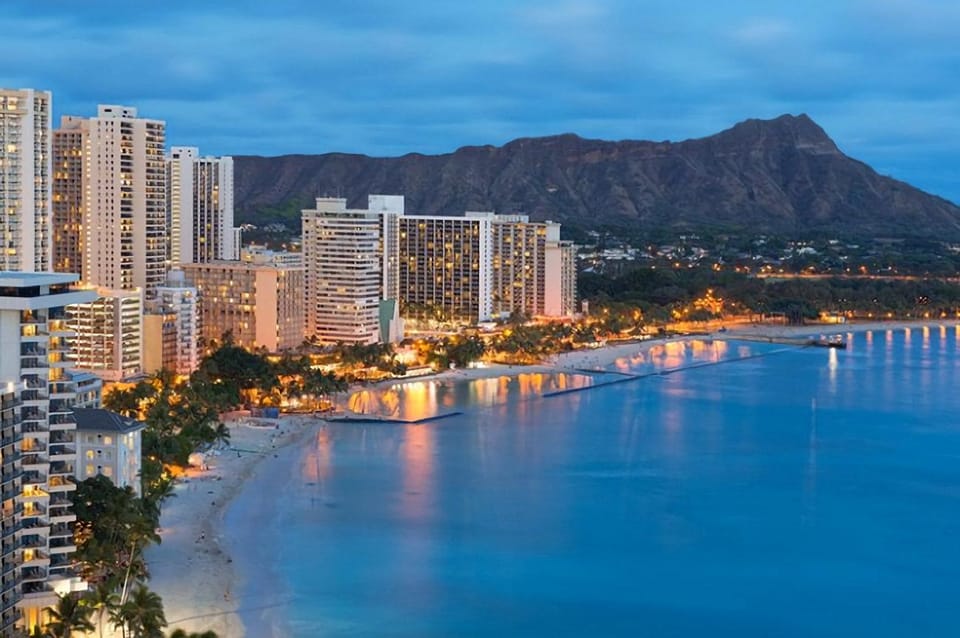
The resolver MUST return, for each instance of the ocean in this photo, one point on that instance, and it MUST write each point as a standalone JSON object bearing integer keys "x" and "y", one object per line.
{"x": 755, "y": 490}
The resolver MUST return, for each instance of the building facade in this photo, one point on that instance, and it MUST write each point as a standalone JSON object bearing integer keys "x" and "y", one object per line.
{"x": 124, "y": 238}
{"x": 172, "y": 327}
{"x": 560, "y": 267}
{"x": 444, "y": 267}
{"x": 35, "y": 337}
{"x": 108, "y": 444}
{"x": 109, "y": 334}
{"x": 200, "y": 207}
{"x": 439, "y": 268}
{"x": 261, "y": 305}
{"x": 343, "y": 272}
{"x": 11, "y": 508}
{"x": 67, "y": 208}
{"x": 25, "y": 189}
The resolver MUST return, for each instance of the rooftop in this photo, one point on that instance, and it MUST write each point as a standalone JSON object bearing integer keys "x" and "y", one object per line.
{"x": 18, "y": 279}
{"x": 100, "y": 420}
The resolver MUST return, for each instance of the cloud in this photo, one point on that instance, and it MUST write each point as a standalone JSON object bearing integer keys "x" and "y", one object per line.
{"x": 387, "y": 78}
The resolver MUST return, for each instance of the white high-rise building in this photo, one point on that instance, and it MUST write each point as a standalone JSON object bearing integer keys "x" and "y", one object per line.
{"x": 200, "y": 207}
{"x": 343, "y": 278}
{"x": 560, "y": 268}
{"x": 25, "y": 156}
{"x": 109, "y": 334}
{"x": 124, "y": 241}
{"x": 36, "y": 353}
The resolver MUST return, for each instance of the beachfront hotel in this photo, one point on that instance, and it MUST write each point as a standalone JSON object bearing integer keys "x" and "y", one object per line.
{"x": 445, "y": 267}
{"x": 200, "y": 207}
{"x": 343, "y": 259}
{"x": 560, "y": 274}
{"x": 25, "y": 180}
{"x": 448, "y": 269}
{"x": 123, "y": 196}
{"x": 11, "y": 508}
{"x": 259, "y": 303}
{"x": 108, "y": 444}
{"x": 35, "y": 336}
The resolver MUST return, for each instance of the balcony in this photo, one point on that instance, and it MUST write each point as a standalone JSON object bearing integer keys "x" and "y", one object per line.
{"x": 61, "y": 467}
{"x": 32, "y": 414}
{"x": 63, "y": 545}
{"x": 61, "y": 484}
{"x": 34, "y": 558}
{"x": 34, "y": 477}
{"x": 35, "y": 523}
{"x": 32, "y": 365}
{"x": 32, "y": 574}
{"x": 32, "y": 459}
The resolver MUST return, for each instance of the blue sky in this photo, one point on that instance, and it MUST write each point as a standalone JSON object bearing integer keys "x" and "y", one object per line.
{"x": 386, "y": 78}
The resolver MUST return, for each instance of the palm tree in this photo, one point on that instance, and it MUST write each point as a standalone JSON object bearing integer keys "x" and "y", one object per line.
{"x": 180, "y": 633}
{"x": 141, "y": 614}
{"x": 70, "y": 614}
{"x": 102, "y": 599}
{"x": 222, "y": 434}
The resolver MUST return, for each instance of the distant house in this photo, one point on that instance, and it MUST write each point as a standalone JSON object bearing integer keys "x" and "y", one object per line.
{"x": 108, "y": 444}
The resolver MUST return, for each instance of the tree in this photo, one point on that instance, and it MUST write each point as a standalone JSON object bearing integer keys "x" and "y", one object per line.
{"x": 102, "y": 600}
{"x": 69, "y": 615}
{"x": 141, "y": 615}
{"x": 222, "y": 434}
{"x": 113, "y": 527}
{"x": 180, "y": 633}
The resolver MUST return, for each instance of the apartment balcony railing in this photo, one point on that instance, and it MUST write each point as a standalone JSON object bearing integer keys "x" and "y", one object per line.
{"x": 34, "y": 459}
{"x": 30, "y": 574}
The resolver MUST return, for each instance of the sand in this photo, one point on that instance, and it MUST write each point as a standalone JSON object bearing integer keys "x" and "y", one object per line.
{"x": 194, "y": 575}
{"x": 189, "y": 569}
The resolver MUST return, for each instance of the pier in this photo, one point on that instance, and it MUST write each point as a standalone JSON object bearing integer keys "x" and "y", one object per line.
{"x": 816, "y": 342}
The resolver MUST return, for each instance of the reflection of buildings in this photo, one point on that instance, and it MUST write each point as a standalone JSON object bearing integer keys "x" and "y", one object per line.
{"x": 36, "y": 356}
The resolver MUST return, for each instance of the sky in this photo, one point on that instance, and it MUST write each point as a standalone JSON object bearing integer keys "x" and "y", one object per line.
{"x": 386, "y": 78}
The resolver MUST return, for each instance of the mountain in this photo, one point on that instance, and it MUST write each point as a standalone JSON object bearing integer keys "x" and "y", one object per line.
{"x": 780, "y": 176}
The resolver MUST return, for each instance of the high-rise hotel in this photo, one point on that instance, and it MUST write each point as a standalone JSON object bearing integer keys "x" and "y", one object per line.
{"x": 363, "y": 264}
{"x": 345, "y": 266}
{"x": 25, "y": 243}
{"x": 123, "y": 196}
{"x": 110, "y": 205}
{"x": 35, "y": 361}
{"x": 200, "y": 207}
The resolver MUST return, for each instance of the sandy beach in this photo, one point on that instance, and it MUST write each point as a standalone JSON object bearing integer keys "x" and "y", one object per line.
{"x": 194, "y": 575}
{"x": 189, "y": 569}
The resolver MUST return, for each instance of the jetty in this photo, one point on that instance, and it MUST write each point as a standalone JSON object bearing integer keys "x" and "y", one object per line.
{"x": 816, "y": 342}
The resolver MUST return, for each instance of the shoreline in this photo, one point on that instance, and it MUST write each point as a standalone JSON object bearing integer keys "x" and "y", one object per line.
{"x": 192, "y": 571}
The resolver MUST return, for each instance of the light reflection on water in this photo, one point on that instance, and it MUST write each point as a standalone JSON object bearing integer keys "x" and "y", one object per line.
{"x": 415, "y": 400}
{"x": 740, "y": 496}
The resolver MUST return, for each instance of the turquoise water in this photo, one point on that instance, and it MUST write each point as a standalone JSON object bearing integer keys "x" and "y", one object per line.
{"x": 781, "y": 492}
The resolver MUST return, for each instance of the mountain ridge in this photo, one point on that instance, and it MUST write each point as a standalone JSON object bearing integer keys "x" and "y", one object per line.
{"x": 779, "y": 176}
